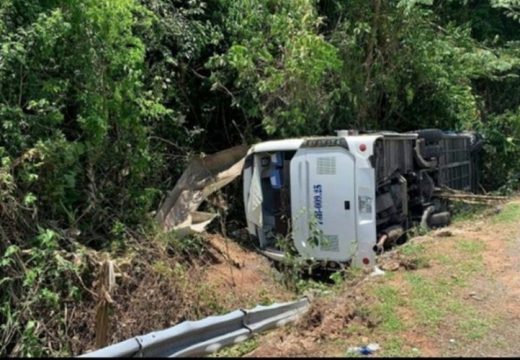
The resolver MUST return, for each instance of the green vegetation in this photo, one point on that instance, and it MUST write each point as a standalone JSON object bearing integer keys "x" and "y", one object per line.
{"x": 471, "y": 247}
{"x": 428, "y": 299}
{"x": 510, "y": 214}
{"x": 431, "y": 301}
{"x": 416, "y": 252}
{"x": 103, "y": 102}
{"x": 466, "y": 212}
{"x": 237, "y": 350}
{"x": 386, "y": 309}
{"x": 394, "y": 347}
{"x": 474, "y": 328}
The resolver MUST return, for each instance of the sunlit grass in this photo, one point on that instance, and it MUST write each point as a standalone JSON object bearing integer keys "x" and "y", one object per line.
{"x": 509, "y": 214}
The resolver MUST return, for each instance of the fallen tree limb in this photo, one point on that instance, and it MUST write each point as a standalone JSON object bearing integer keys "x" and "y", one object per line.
{"x": 472, "y": 197}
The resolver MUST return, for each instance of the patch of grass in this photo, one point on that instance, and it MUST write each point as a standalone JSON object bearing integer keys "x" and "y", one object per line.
{"x": 500, "y": 343}
{"x": 456, "y": 279}
{"x": 472, "y": 324}
{"x": 353, "y": 272}
{"x": 470, "y": 246}
{"x": 210, "y": 298}
{"x": 412, "y": 249}
{"x": 457, "y": 307}
{"x": 394, "y": 347}
{"x": 386, "y": 310}
{"x": 472, "y": 263}
{"x": 444, "y": 259}
{"x": 474, "y": 328}
{"x": 355, "y": 329}
{"x": 475, "y": 265}
{"x": 428, "y": 299}
{"x": 434, "y": 301}
{"x": 467, "y": 259}
{"x": 391, "y": 275}
{"x": 416, "y": 252}
{"x": 266, "y": 298}
{"x": 465, "y": 212}
{"x": 237, "y": 350}
{"x": 509, "y": 214}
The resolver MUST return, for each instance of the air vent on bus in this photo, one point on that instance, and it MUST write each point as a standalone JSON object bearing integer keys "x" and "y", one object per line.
{"x": 329, "y": 243}
{"x": 326, "y": 166}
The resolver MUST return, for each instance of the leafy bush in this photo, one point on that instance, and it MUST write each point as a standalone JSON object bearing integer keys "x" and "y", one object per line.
{"x": 502, "y": 133}
{"x": 278, "y": 63}
{"x": 38, "y": 284}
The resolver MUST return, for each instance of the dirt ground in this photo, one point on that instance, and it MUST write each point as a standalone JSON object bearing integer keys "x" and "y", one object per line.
{"x": 454, "y": 292}
{"x": 244, "y": 276}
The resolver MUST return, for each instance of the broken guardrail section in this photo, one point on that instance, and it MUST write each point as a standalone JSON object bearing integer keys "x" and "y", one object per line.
{"x": 192, "y": 338}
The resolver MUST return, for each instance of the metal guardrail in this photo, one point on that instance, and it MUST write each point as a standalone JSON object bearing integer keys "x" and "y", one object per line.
{"x": 191, "y": 338}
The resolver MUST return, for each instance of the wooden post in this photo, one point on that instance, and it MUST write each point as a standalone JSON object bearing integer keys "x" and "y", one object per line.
{"x": 106, "y": 282}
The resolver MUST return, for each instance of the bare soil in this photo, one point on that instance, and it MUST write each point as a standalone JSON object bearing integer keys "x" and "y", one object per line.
{"x": 243, "y": 276}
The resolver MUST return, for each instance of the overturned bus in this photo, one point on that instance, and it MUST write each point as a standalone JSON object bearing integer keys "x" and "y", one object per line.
{"x": 343, "y": 199}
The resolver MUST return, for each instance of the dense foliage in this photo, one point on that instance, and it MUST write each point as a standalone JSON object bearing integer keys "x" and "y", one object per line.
{"x": 101, "y": 103}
